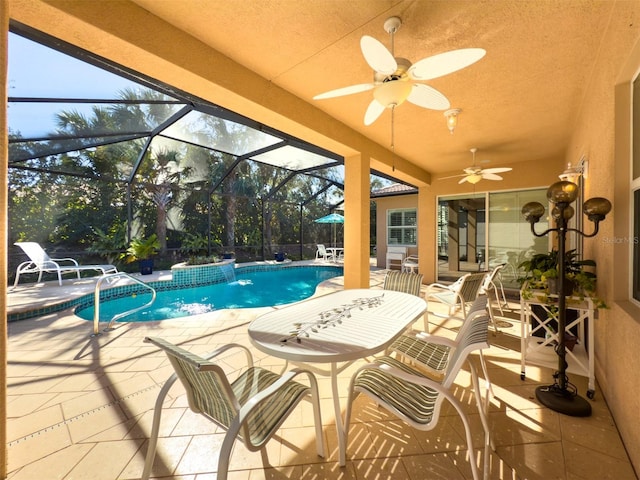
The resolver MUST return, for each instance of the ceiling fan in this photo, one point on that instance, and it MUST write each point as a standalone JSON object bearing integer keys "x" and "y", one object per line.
{"x": 394, "y": 78}
{"x": 475, "y": 173}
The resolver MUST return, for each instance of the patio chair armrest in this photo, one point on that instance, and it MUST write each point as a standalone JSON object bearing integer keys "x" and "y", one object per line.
{"x": 273, "y": 388}
{"x": 437, "y": 286}
{"x": 224, "y": 348}
{"x": 26, "y": 266}
{"x": 436, "y": 339}
{"x": 73, "y": 261}
{"x": 215, "y": 353}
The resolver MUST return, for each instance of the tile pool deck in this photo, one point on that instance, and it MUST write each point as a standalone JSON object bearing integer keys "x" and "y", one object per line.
{"x": 80, "y": 407}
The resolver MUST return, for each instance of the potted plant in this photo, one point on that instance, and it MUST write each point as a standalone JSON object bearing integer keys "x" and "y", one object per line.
{"x": 541, "y": 276}
{"x": 540, "y": 281}
{"x": 142, "y": 250}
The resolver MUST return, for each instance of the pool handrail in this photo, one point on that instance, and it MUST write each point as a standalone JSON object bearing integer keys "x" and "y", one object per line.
{"x": 96, "y": 300}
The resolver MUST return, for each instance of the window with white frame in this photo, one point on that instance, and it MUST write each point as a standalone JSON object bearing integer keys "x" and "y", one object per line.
{"x": 635, "y": 189}
{"x": 402, "y": 227}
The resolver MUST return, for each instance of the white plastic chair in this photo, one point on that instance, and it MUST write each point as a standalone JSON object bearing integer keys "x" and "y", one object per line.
{"x": 407, "y": 282}
{"x": 493, "y": 287}
{"x": 322, "y": 252}
{"x": 433, "y": 352}
{"x": 410, "y": 264}
{"x": 39, "y": 262}
{"x": 416, "y": 399}
{"x": 250, "y": 409}
{"x": 457, "y": 295}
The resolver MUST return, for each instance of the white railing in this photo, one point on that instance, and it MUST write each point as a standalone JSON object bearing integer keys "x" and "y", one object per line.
{"x": 96, "y": 300}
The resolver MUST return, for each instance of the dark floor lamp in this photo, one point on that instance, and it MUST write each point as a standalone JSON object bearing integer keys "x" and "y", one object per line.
{"x": 559, "y": 397}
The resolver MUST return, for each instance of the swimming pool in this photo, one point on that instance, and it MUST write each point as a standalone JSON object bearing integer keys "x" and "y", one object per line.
{"x": 249, "y": 289}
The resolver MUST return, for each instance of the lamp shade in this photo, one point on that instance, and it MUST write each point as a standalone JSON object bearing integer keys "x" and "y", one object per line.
{"x": 532, "y": 211}
{"x": 596, "y": 208}
{"x": 392, "y": 93}
{"x": 567, "y": 212}
{"x": 452, "y": 118}
{"x": 562, "y": 192}
{"x": 474, "y": 178}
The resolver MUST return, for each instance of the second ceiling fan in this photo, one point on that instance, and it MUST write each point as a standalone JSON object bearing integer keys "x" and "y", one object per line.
{"x": 394, "y": 77}
{"x": 475, "y": 173}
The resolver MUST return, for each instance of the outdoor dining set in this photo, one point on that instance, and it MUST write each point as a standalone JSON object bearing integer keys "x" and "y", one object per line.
{"x": 410, "y": 373}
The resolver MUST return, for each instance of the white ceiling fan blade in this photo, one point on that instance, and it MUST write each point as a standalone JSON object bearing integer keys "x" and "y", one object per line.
{"x": 428, "y": 97}
{"x": 362, "y": 87}
{"x": 445, "y": 63}
{"x": 374, "y": 110}
{"x": 377, "y": 55}
{"x": 497, "y": 170}
{"x": 452, "y": 176}
{"x": 462, "y": 180}
{"x": 491, "y": 176}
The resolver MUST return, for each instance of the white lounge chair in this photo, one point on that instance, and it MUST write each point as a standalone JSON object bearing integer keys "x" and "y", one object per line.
{"x": 39, "y": 262}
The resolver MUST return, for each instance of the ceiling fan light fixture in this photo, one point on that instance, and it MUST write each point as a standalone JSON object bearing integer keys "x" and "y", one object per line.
{"x": 474, "y": 178}
{"x": 452, "y": 118}
{"x": 392, "y": 93}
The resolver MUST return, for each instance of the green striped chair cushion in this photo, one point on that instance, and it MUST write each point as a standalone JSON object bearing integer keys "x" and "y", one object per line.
{"x": 406, "y": 282}
{"x": 407, "y": 399}
{"x": 269, "y": 413}
{"x": 434, "y": 356}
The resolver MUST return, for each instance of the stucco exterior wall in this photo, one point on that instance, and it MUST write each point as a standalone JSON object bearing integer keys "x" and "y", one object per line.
{"x": 602, "y": 134}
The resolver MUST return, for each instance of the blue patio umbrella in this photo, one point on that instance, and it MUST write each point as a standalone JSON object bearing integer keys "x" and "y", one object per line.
{"x": 333, "y": 218}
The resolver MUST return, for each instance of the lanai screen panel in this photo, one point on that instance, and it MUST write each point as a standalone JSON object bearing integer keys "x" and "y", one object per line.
{"x": 293, "y": 158}
{"x": 219, "y": 134}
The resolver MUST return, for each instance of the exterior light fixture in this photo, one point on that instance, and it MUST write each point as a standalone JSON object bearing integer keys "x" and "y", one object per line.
{"x": 559, "y": 396}
{"x": 573, "y": 172}
{"x": 452, "y": 121}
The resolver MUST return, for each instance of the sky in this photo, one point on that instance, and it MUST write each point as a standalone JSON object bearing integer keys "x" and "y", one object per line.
{"x": 38, "y": 71}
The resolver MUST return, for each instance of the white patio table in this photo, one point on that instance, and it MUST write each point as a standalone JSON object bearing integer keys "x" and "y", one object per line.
{"x": 336, "y": 252}
{"x": 339, "y": 327}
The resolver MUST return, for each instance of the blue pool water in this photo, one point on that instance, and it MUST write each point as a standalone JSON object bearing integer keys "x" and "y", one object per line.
{"x": 249, "y": 290}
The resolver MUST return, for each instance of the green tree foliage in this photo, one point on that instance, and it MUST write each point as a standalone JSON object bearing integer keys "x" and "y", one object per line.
{"x": 89, "y": 198}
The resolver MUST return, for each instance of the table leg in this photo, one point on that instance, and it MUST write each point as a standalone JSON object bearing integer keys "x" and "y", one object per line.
{"x": 342, "y": 447}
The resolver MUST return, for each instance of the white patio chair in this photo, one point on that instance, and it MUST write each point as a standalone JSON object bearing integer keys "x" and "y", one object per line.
{"x": 406, "y": 282}
{"x": 433, "y": 352}
{"x": 413, "y": 397}
{"x": 410, "y": 264}
{"x": 39, "y": 262}
{"x": 490, "y": 288}
{"x": 395, "y": 256}
{"x": 455, "y": 296}
{"x": 403, "y": 282}
{"x": 250, "y": 409}
{"x": 321, "y": 252}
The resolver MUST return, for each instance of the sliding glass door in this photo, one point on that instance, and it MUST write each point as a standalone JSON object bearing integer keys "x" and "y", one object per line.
{"x": 478, "y": 231}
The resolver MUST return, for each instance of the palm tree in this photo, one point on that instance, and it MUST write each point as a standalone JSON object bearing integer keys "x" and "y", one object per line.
{"x": 163, "y": 176}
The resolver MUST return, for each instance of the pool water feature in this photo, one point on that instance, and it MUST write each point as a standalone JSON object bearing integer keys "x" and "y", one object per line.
{"x": 249, "y": 289}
